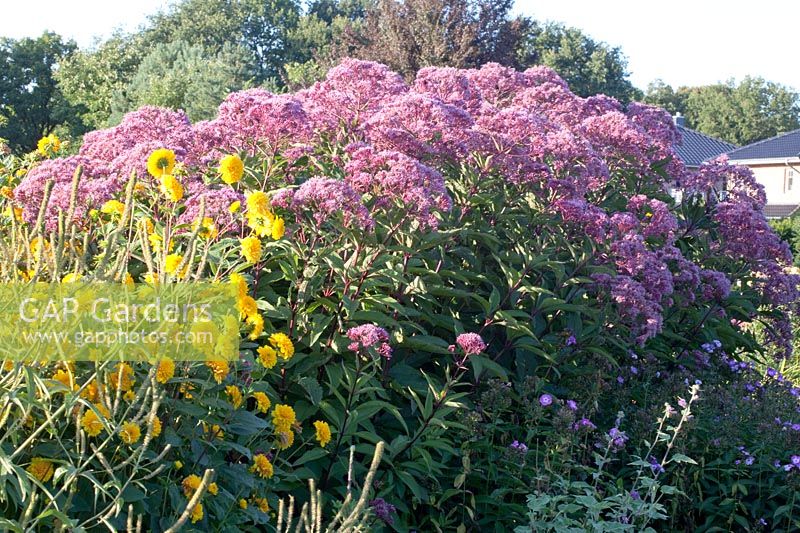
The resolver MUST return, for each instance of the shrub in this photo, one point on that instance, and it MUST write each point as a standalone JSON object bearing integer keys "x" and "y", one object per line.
{"x": 397, "y": 250}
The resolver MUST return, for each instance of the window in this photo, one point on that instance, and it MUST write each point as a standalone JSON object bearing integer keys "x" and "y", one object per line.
{"x": 789, "y": 179}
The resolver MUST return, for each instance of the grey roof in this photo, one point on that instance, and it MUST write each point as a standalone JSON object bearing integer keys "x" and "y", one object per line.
{"x": 697, "y": 147}
{"x": 783, "y": 145}
{"x": 779, "y": 210}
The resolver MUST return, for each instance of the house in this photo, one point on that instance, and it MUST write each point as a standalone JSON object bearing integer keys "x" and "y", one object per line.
{"x": 694, "y": 149}
{"x": 775, "y": 162}
{"x": 697, "y": 147}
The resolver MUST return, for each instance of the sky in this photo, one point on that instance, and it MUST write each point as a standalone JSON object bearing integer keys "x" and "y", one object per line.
{"x": 683, "y": 42}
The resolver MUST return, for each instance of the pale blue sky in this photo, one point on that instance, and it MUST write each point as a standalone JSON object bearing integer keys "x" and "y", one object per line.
{"x": 684, "y": 42}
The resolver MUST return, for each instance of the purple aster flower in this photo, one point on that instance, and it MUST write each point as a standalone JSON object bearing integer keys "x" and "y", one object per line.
{"x": 571, "y": 340}
{"x": 584, "y": 423}
{"x": 545, "y": 400}
{"x": 571, "y": 405}
{"x": 383, "y": 510}
{"x": 617, "y": 438}
{"x": 518, "y": 446}
{"x": 655, "y": 466}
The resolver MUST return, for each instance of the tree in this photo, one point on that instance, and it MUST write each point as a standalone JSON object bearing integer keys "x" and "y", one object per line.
{"x": 664, "y": 96}
{"x": 260, "y": 26}
{"x": 411, "y": 34}
{"x": 740, "y": 113}
{"x": 183, "y": 76}
{"x": 590, "y": 67}
{"x": 88, "y": 79}
{"x": 30, "y": 101}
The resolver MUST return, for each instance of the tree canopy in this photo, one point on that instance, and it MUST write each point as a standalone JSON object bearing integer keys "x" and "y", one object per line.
{"x": 31, "y": 103}
{"x": 192, "y": 54}
{"x": 740, "y": 113}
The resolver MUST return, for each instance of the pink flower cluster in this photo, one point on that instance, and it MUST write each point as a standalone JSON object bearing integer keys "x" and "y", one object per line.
{"x": 386, "y": 147}
{"x": 471, "y": 343}
{"x": 368, "y": 335}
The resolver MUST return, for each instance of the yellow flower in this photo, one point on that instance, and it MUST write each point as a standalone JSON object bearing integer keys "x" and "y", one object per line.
{"x": 121, "y": 377}
{"x": 90, "y": 391}
{"x": 285, "y": 439}
{"x": 231, "y": 168}
{"x": 262, "y": 402}
{"x": 128, "y": 396}
{"x": 190, "y": 484}
{"x": 42, "y": 469}
{"x": 208, "y": 230}
{"x": 278, "y": 228}
{"x": 213, "y": 489}
{"x": 113, "y": 207}
{"x": 242, "y": 503}
{"x": 219, "y": 369}
{"x": 247, "y": 306}
{"x": 257, "y": 203}
{"x": 91, "y": 423}
{"x": 257, "y": 321}
{"x": 165, "y": 370}
{"x": 72, "y": 277}
{"x": 323, "y": 432}
{"x": 65, "y": 378}
{"x": 214, "y": 431}
{"x": 267, "y": 356}
{"x": 262, "y": 504}
{"x": 48, "y": 143}
{"x": 171, "y": 188}
{"x": 147, "y": 225}
{"x": 234, "y": 207}
{"x": 240, "y": 282}
{"x": 262, "y": 466}
{"x": 160, "y": 162}
{"x": 156, "y": 427}
{"x": 197, "y": 513}
{"x": 130, "y": 432}
{"x": 234, "y": 395}
{"x": 251, "y": 249}
{"x": 128, "y": 279}
{"x": 185, "y": 389}
{"x": 171, "y": 264}
{"x": 178, "y": 465}
{"x": 283, "y": 344}
{"x": 283, "y": 418}
{"x": 260, "y": 224}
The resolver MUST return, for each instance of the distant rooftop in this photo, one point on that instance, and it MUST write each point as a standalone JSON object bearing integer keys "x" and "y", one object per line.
{"x": 781, "y": 146}
{"x": 780, "y": 210}
{"x": 698, "y": 147}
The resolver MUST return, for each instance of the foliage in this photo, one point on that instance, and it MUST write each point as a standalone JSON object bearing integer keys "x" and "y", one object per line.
{"x": 588, "y": 66}
{"x": 181, "y": 76}
{"x": 262, "y": 28}
{"x": 742, "y": 113}
{"x": 788, "y": 229}
{"x": 440, "y": 266}
{"x": 30, "y": 102}
{"x": 407, "y": 36}
{"x": 89, "y": 78}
